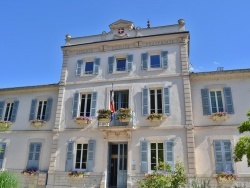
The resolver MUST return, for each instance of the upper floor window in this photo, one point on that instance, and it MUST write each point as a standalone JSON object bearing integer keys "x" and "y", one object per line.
{"x": 8, "y": 110}
{"x": 84, "y": 104}
{"x": 87, "y": 67}
{"x": 217, "y": 101}
{"x": 120, "y": 64}
{"x": 151, "y": 61}
{"x": 155, "y": 101}
{"x": 40, "y": 109}
{"x": 121, "y": 99}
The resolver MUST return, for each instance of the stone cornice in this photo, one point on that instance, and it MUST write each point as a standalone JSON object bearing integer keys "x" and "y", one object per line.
{"x": 30, "y": 88}
{"x": 220, "y": 75}
{"x": 127, "y": 43}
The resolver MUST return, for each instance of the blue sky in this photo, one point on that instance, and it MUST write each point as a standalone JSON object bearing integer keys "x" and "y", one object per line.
{"x": 32, "y": 32}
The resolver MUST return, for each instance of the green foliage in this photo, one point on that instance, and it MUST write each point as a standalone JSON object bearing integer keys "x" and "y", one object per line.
{"x": 196, "y": 183}
{"x": 9, "y": 180}
{"x": 165, "y": 177}
{"x": 243, "y": 145}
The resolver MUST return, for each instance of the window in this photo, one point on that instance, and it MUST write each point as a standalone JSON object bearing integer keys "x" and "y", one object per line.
{"x": 84, "y": 104}
{"x": 121, "y": 64}
{"x": 121, "y": 99}
{"x": 40, "y": 109}
{"x": 156, "y": 101}
{"x": 89, "y": 67}
{"x": 2, "y": 153}
{"x": 151, "y": 154}
{"x": 155, "y": 61}
{"x": 223, "y": 156}
{"x": 8, "y": 111}
{"x": 81, "y": 156}
{"x": 84, "y": 158}
{"x": 34, "y": 155}
{"x": 216, "y": 101}
{"x": 156, "y": 154}
{"x": 42, "y": 105}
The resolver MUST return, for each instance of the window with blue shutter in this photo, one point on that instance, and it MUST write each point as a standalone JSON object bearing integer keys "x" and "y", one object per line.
{"x": 91, "y": 155}
{"x": 111, "y": 64}
{"x": 75, "y": 105}
{"x": 228, "y": 100}
{"x": 69, "y": 156}
{"x": 144, "y": 156}
{"x": 129, "y": 62}
{"x": 14, "y": 111}
{"x": 164, "y": 59}
{"x": 32, "y": 115}
{"x": 169, "y": 153}
{"x": 1, "y": 109}
{"x": 48, "y": 109}
{"x": 34, "y": 156}
{"x": 79, "y": 67}
{"x": 2, "y": 153}
{"x": 223, "y": 156}
{"x": 96, "y": 65}
{"x": 144, "y": 61}
{"x": 205, "y": 102}
{"x": 145, "y": 101}
{"x": 166, "y": 100}
{"x": 9, "y": 111}
{"x": 93, "y": 104}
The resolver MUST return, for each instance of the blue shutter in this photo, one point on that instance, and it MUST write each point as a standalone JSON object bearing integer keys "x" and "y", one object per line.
{"x": 129, "y": 62}
{"x": 1, "y": 109}
{"x": 93, "y": 104}
{"x": 205, "y": 101}
{"x": 91, "y": 155}
{"x": 111, "y": 64}
{"x": 228, "y": 162}
{"x": 69, "y": 156}
{"x": 14, "y": 111}
{"x": 218, "y": 156}
{"x": 145, "y": 101}
{"x": 34, "y": 156}
{"x": 169, "y": 153}
{"x": 144, "y": 156}
{"x": 33, "y": 110}
{"x": 144, "y": 61}
{"x": 228, "y": 100}
{"x": 164, "y": 59}
{"x": 3, "y": 147}
{"x": 166, "y": 100}
{"x": 48, "y": 109}
{"x": 75, "y": 104}
{"x": 79, "y": 67}
{"x": 96, "y": 65}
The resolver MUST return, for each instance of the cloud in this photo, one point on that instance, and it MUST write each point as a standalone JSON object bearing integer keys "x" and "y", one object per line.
{"x": 216, "y": 63}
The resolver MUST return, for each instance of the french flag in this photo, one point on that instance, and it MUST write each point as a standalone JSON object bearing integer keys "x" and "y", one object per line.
{"x": 112, "y": 102}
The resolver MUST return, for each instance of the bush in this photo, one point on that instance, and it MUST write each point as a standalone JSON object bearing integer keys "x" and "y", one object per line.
{"x": 9, "y": 180}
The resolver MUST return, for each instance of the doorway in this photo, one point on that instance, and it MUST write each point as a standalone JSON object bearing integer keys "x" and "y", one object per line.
{"x": 117, "y": 168}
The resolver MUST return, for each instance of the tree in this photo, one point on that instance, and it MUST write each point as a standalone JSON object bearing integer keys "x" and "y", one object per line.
{"x": 9, "y": 180}
{"x": 243, "y": 145}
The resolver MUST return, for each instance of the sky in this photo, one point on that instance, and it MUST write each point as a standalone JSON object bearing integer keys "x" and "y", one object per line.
{"x": 33, "y": 31}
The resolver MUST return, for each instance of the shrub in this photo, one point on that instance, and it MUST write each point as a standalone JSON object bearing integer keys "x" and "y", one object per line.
{"x": 9, "y": 180}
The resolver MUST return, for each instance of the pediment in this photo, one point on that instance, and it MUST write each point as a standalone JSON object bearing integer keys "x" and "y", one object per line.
{"x": 121, "y": 24}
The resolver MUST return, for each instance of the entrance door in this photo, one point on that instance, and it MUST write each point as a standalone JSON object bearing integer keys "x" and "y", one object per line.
{"x": 117, "y": 166}
{"x": 122, "y": 165}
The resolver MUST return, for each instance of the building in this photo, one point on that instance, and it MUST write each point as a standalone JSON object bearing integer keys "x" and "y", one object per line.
{"x": 145, "y": 71}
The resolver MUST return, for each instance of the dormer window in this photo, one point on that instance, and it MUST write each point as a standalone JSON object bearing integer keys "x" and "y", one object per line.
{"x": 155, "y": 61}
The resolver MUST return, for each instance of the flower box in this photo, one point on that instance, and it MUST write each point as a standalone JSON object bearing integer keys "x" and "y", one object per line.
{"x": 124, "y": 115}
{"x": 226, "y": 178}
{"x": 37, "y": 123}
{"x": 83, "y": 120}
{"x": 104, "y": 120}
{"x": 29, "y": 172}
{"x": 126, "y": 120}
{"x": 156, "y": 119}
{"x": 219, "y": 117}
{"x": 76, "y": 174}
{"x": 4, "y": 125}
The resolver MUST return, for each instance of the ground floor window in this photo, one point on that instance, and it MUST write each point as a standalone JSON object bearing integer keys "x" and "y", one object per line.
{"x": 156, "y": 154}
{"x": 81, "y": 156}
